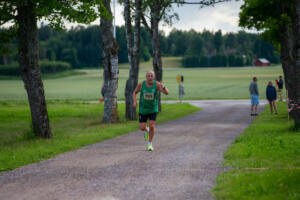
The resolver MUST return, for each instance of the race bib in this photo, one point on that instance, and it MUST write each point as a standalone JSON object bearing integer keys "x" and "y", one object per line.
{"x": 149, "y": 96}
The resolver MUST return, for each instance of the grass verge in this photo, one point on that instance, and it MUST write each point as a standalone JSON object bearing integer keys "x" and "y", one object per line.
{"x": 73, "y": 125}
{"x": 265, "y": 161}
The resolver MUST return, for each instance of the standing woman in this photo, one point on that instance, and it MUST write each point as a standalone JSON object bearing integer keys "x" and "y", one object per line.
{"x": 271, "y": 96}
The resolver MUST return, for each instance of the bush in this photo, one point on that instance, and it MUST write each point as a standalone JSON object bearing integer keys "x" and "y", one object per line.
{"x": 190, "y": 61}
{"x": 50, "y": 67}
{"x": 203, "y": 61}
{"x": 218, "y": 60}
{"x": 10, "y": 70}
{"x": 235, "y": 60}
{"x": 47, "y": 67}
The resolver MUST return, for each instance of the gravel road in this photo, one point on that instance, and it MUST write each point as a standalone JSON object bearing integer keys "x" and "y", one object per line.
{"x": 186, "y": 159}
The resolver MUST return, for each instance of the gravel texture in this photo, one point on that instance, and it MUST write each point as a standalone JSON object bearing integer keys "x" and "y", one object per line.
{"x": 186, "y": 159}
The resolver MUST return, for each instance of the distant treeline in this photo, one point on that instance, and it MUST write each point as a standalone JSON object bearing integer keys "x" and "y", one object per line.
{"x": 81, "y": 47}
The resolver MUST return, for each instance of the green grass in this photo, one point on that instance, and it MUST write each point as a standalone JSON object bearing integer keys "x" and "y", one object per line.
{"x": 265, "y": 161}
{"x": 206, "y": 83}
{"x": 73, "y": 125}
{"x": 168, "y": 62}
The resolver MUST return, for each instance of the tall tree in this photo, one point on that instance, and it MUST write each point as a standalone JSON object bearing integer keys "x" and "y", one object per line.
{"x": 133, "y": 48}
{"x": 111, "y": 68}
{"x": 296, "y": 52}
{"x": 24, "y": 14}
{"x": 218, "y": 40}
{"x": 280, "y": 22}
{"x": 157, "y": 10}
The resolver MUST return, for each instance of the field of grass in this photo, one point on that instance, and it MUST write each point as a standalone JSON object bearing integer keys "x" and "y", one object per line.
{"x": 265, "y": 161}
{"x": 73, "y": 126}
{"x": 206, "y": 83}
{"x": 168, "y": 62}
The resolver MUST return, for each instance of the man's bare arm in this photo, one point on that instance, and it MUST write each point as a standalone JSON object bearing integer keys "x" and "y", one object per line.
{"x": 162, "y": 88}
{"x": 136, "y": 90}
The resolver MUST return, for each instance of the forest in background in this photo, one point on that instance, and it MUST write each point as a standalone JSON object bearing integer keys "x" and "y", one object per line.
{"x": 81, "y": 47}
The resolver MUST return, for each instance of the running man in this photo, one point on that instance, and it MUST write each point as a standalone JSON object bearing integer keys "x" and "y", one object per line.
{"x": 148, "y": 107}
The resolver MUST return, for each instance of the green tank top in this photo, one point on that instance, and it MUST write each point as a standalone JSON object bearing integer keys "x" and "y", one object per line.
{"x": 148, "y": 99}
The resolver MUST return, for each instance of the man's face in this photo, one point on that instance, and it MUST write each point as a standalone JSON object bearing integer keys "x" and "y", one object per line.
{"x": 150, "y": 77}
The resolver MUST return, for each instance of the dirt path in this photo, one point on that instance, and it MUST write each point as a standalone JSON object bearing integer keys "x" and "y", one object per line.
{"x": 184, "y": 164}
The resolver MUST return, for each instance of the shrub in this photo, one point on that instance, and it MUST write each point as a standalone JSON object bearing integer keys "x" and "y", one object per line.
{"x": 235, "y": 60}
{"x": 10, "y": 70}
{"x": 47, "y": 67}
{"x": 190, "y": 61}
{"x": 218, "y": 60}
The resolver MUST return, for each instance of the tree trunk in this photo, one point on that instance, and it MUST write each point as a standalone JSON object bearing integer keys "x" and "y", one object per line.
{"x": 156, "y": 54}
{"x": 290, "y": 57}
{"x": 133, "y": 47}
{"x": 295, "y": 86}
{"x": 111, "y": 68}
{"x": 30, "y": 69}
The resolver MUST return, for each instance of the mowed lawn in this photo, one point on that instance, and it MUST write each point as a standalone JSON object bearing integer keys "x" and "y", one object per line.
{"x": 264, "y": 162}
{"x": 199, "y": 83}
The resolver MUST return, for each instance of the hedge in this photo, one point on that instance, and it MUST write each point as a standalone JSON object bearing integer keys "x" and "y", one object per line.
{"x": 47, "y": 67}
{"x": 219, "y": 60}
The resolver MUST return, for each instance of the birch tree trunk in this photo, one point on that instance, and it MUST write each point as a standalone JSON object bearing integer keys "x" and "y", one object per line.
{"x": 111, "y": 68}
{"x": 30, "y": 69}
{"x": 156, "y": 53}
{"x": 133, "y": 47}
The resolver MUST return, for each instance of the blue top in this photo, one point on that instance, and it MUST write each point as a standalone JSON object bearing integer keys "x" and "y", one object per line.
{"x": 271, "y": 93}
{"x": 253, "y": 89}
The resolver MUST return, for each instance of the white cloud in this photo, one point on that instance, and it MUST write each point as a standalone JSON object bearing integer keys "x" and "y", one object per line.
{"x": 222, "y": 16}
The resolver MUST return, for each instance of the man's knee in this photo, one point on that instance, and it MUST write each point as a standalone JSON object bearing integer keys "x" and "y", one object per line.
{"x": 143, "y": 126}
{"x": 152, "y": 125}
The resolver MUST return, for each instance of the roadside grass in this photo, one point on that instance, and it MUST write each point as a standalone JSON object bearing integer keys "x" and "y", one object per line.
{"x": 200, "y": 83}
{"x": 265, "y": 161}
{"x": 73, "y": 125}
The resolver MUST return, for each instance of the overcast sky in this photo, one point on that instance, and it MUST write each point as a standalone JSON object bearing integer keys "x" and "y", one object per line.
{"x": 222, "y": 16}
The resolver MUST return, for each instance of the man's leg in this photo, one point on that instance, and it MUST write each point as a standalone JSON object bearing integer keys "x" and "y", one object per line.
{"x": 280, "y": 95}
{"x": 255, "y": 107}
{"x": 252, "y": 106}
{"x": 143, "y": 126}
{"x": 152, "y": 129}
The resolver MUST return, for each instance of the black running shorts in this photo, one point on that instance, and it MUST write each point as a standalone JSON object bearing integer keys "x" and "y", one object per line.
{"x": 144, "y": 118}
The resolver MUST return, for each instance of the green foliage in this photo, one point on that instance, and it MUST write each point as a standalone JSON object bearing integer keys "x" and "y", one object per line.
{"x": 81, "y": 46}
{"x": 10, "y": 70}
{"x": 146, "y": 54}
{"x": 266, "y": 15}
{"x": 265, "y": 161}
{"x": 218, "y": 60}
{"x": 235, "y": 60}
{"x": 190, "y": 61}
{"x": 74, "y": 125}
{"x": 47, "y": 67}
{"x": 56, "y": 12}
